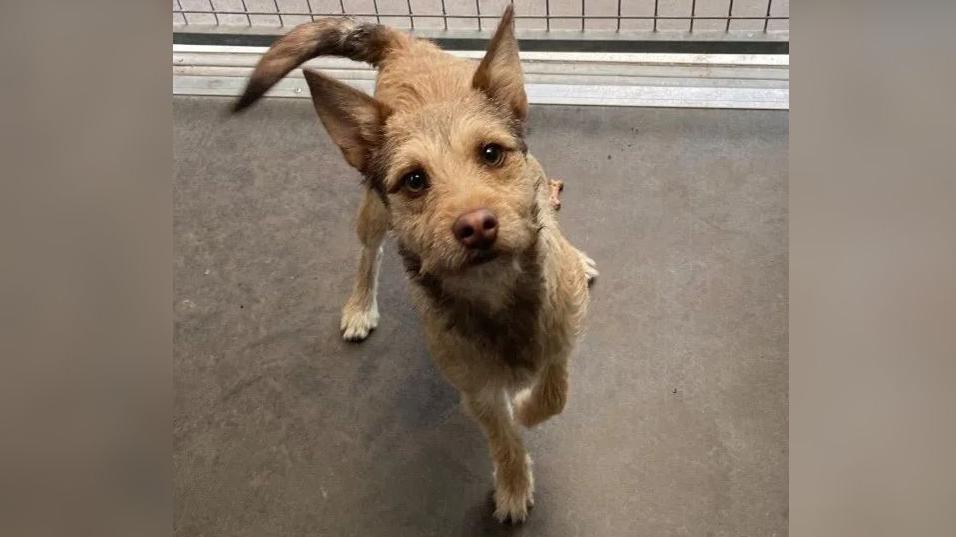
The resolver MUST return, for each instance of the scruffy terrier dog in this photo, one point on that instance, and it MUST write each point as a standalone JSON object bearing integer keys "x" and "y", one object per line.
{"x": 441, "y": 147}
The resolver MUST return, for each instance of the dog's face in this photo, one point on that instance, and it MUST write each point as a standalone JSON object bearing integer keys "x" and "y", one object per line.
{"x": 454, "y": 175}
{"x": 458, "y": 185}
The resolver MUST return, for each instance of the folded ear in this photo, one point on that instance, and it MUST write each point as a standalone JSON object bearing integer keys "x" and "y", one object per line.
{"x": 353, "y": 119}
{"x": 499, "y": 74}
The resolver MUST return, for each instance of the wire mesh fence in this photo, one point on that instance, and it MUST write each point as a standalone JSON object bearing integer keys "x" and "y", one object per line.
{"x": 688, "y": 17}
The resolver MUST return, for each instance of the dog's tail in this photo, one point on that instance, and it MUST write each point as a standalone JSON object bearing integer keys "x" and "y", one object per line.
{"x": 364, "y": 42}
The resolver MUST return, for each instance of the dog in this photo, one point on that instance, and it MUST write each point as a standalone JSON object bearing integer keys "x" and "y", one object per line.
{"x": 441, "y": 147}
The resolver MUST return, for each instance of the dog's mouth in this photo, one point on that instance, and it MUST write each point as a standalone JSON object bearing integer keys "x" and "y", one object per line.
{"x": 480, "y": 257}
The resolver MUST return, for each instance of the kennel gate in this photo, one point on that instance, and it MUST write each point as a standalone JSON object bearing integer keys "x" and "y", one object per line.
{"x": 684, "y": 53}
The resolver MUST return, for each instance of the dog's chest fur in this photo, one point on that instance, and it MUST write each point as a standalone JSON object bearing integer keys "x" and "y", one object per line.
{"x": 496, "y": 314}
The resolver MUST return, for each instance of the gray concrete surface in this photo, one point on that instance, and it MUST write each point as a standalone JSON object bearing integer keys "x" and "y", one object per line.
{"x": 677, "y": 417}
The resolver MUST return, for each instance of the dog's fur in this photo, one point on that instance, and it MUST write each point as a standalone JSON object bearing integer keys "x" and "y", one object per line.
{"x": 500, "y": 323}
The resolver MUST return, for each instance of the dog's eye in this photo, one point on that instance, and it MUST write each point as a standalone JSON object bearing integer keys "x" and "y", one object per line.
{"x": 415, "y": 181}
{"x": 492, "y": 154}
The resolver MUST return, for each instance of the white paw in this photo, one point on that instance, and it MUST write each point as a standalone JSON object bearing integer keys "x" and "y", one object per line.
{"x": 358, "y": 322}
{"x": 514, "y": 497}
{"x": 590, "y": 268}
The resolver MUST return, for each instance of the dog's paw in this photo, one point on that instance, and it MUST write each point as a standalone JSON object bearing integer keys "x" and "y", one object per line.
{"x": 357, "y": 322}
{"x": 519, "y": 405}
{"x": 590, "y": 268}
{"x": 522, "y": 409}
{"x": 514, "y": 495}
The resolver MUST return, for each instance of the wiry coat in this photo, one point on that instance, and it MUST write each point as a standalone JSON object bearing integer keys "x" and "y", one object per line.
{"x": 444, "y": 137}
{"x": 501, "y": 324}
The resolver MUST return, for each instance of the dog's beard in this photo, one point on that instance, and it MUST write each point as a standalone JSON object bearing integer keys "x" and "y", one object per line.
{"x": 449, "y": 259}
{"x": 461, "y": 260}
{"x": 480, "y": 257}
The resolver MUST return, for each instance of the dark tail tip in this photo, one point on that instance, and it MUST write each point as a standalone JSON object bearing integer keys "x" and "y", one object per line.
{"x": 509, "y": 11}
{"x": 250, "y": 95}
{"x": 244, "y": 102}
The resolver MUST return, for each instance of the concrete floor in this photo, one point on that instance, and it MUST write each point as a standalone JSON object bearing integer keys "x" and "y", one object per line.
{"x": 677, "y": 417}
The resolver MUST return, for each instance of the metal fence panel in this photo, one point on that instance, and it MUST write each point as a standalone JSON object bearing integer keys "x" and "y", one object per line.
{"x": 686, "y": 17}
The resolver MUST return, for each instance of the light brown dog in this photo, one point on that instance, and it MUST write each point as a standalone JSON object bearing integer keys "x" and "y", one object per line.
{"x": 441, "y": 147}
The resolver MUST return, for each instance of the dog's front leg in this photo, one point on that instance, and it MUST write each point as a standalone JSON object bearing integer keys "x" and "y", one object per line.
{"x": 360, "y": 314}
{"x": 546, "y": 398}
{"x": 514, "y": 482}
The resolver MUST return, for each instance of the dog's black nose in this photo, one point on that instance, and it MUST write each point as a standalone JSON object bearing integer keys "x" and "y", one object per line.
{"x": 476, "y": 229}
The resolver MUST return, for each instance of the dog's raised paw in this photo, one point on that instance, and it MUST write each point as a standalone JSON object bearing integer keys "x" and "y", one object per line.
{"x": 521, "y": 405}
{"x": 357, "y": 323}
{"x": 590, "y": 268}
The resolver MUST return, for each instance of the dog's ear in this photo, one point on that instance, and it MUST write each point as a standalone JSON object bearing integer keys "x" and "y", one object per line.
{"x": 499, "y": 74}
{"x": 353, "y": 119}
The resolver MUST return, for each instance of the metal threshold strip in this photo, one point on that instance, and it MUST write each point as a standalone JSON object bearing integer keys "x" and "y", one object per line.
{"x": 682, "y": 80}
{"x": 593, "y": 40}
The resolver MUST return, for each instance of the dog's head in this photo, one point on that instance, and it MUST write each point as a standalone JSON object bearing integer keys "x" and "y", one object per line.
{"x": 454, "y": 175}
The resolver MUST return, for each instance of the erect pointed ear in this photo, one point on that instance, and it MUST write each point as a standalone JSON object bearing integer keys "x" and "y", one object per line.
{"x": 353, "y": 119}
{"x": 499, "y": 74}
